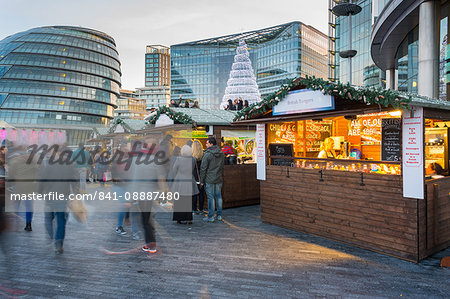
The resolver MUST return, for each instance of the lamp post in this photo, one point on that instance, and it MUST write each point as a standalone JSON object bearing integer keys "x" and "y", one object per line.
{"x": 348, "y": 9}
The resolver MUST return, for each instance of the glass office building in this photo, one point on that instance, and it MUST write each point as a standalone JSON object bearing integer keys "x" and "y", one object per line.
{"x": 157, "y": 66}
{"x": 364, "y": 71}
{"x": 58, "y": 76}
{"x": 396, "y": 46}
{"x": 200, "y": 69}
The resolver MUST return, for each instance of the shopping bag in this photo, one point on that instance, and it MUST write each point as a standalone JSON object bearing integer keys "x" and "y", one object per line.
{"x": 78, "y": 210}
{"x": 107, "y": 176}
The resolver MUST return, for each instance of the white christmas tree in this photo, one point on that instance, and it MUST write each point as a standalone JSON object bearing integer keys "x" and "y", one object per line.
{"x": 242, "y": 80}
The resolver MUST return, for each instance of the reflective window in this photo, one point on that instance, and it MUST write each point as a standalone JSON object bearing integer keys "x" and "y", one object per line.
{"x": 41, "y": 117}
{"x": 57, "y": 104}
{"x": 407, "y": 60}
{"x": 69, "y": 41}
{"x": 51, "y": 75}
{"x": 66, "y": 51}
{"x": 54, "y": 89}
{"x": 61, "y": 63}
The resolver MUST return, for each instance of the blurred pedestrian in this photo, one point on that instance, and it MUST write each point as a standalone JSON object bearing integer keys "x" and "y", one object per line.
{"x": 22, "y": 175}
{"x": 62, "y": 179}
{"x": 184, "y": 183}
{"x": 148, "y": 178}
{"x": 81, "y": 160}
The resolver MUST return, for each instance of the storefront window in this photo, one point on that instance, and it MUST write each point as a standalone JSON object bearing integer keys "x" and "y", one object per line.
{"x": 373, "y": 139}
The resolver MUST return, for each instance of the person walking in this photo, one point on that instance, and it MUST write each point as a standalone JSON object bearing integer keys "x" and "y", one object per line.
{"x": 211, "y": 176}
{"x": 148, "y": 179}
{"x": 82, "y": 160}
{"x": 22, "y": 174}
{"x": 197, "y": 153}
{"x": 121, "y": 179}
{"x": 101, "y": 167}
{"x": 59, "y": 179}
{"x": 183, "y": 177}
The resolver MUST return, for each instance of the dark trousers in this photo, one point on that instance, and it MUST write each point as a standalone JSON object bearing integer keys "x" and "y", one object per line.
{"x": 60, "y": 225}
{"x": 201, "y": 199}
{"x": 149, "y": 230}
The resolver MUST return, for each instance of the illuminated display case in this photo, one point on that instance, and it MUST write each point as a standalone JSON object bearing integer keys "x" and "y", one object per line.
{"x": 436, "y": 147}
{"x": 366, "y": 166}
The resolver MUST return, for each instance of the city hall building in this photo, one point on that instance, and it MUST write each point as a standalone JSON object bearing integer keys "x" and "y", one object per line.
{"x": 200, "y": 69}
{"x": 59, "y": 77}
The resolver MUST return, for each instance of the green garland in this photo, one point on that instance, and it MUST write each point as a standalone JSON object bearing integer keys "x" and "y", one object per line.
{"x": 369, "y": 96}
{"x": 175, "y": 116}
{"x": 120, "y": 121}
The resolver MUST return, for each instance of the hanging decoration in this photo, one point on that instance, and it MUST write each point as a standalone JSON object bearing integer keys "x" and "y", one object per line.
{"x": 369, "y": 96}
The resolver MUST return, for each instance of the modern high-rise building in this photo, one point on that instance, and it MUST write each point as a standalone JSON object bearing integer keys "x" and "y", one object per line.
{"x": 157, "y": 76}
{"x": 130, "y": 106}
{"x": 410, "y": 42}
{"x": 157, "y": 66}
{"x": 364, "y": 71}
{"x": 200, "y": 69}
{"x": 154, "y": 96}
{"x": 59, "y": 77}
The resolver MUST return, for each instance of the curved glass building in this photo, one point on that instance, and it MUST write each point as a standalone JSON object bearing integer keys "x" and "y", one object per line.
{"x": 409, "y": 42}
{"x": 59, "y": 77}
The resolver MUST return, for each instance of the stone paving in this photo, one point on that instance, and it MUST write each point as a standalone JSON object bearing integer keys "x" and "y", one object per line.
{"x": 238, "y": 258}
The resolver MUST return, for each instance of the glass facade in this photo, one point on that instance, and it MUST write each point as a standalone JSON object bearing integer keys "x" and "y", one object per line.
{"x": 364, "y": 71}
{"x": 200, "y": 70}
{"x": 157, "y": 66}
{"x": 130, "y": 106}
{"x": 59, "y": 75}
{"x": 407, "y": 62}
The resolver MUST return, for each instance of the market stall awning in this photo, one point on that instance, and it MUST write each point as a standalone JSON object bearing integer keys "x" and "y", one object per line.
{"x": 194, "y": 116}
{"x": 350, "y": 100}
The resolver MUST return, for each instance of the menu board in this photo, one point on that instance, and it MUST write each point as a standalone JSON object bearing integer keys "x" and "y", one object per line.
{"x": 391, "y": 139}
{"x": 281, "y": 149}
{"x": 316, "y": 133}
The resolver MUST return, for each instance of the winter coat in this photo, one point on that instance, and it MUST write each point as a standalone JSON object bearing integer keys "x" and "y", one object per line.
{"x": 183, "y": 176}
{"x": 211, "y": 169}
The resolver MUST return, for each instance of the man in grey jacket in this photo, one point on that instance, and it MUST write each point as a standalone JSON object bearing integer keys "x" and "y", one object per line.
{"x": 211, "y": 175}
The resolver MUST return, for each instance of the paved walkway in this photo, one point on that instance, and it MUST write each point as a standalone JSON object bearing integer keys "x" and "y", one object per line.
{"x": 238, "y": 258}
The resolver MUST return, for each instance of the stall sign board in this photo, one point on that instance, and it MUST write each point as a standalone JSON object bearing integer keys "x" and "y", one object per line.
{"x": 261, "y": 152}
{"x": 281, "y": 149}
{"x": 391, "y": 139}
{"x": 412, "y": 158}
{"x": 304, "y": 100}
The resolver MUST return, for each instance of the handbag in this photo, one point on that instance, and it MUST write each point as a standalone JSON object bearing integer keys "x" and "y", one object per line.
{"x": 107, "y": 176}
{"x": 78, "y": 210}
{"x": 198, "y": 174}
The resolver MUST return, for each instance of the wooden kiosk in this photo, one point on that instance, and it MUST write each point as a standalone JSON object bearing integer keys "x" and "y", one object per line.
{"x": 372, "y": 189}
{"x": 240, "y": 186}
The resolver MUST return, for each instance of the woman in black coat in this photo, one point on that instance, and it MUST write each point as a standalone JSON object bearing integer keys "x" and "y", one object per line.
{"x": 183, "y": 183}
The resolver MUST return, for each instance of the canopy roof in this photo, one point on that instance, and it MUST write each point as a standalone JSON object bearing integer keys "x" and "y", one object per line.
{"x": 194, "y": 116}
{"x": 348, "y": 99}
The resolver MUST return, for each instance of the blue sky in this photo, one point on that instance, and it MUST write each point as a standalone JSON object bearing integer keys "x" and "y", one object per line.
{"x": 137, "y": 23}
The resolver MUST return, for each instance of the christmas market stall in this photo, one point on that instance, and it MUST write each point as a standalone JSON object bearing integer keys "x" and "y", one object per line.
{"x": 240, "y": 186}
{"x": 363, "y": 166}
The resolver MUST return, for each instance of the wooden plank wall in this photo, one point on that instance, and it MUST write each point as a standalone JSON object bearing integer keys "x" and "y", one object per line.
{"x": 240, "y": 186}
{"x": 375, "y": 216}
{"x": 435, "y": 220}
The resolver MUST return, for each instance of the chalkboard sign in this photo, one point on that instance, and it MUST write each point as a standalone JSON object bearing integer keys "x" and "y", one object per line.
{"x": 281, "y": 149}
{"x": 391, "y": 139}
